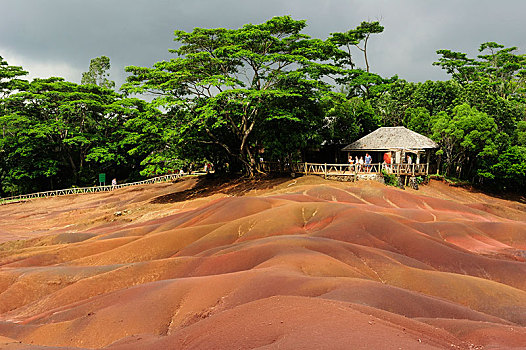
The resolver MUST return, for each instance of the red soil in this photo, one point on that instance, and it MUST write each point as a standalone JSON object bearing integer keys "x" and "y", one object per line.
{"x": 305, "y": 263}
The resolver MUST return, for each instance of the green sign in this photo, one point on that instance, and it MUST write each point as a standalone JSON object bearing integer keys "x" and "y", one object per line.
{"x": 102, "y": 177}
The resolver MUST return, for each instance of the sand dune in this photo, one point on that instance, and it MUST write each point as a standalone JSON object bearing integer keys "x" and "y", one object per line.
{"x": 291, "y": 264}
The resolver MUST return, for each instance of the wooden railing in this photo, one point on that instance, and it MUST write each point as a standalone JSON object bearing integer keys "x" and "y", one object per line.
{"x": 408, "y": 169}
{"x": 268, "y": 167}
{"x": 93, "y": 189}
{"x": 356, "y": 169}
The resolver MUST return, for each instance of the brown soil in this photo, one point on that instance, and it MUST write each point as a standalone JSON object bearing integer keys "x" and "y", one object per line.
{"x": 271, "y": 263}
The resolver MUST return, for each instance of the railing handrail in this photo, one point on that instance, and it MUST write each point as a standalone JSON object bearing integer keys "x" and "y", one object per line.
{"x": 91, "y": 189}
{"x": 301, "y": 167}
{"x": 376, "y": 168}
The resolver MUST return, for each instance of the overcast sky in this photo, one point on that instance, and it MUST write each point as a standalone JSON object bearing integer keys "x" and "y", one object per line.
{"x": 60, "y": 37}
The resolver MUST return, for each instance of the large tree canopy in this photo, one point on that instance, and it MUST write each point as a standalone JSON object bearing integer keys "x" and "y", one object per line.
{"x": 501, "y": 67}
{"x": 263, "y": 91}
{"x": 58, "y": 134}
{"x": 230, "y": 84}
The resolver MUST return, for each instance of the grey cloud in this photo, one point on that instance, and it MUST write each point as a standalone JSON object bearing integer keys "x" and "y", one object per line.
{"x": 71, "y": 32}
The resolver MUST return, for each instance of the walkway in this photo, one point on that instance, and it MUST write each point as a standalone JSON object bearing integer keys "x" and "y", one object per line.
{"x": 77, "y": 190}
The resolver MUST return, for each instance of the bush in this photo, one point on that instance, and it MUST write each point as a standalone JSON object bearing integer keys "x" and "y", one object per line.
{"x": 509, "y": 173}
{"x": 389, "y": 179}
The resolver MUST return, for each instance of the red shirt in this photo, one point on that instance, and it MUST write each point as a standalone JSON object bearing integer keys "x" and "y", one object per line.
{"x": 387, "y": 157}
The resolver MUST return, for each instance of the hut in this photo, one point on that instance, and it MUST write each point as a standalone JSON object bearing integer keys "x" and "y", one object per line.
{"x": 393, "y": 145}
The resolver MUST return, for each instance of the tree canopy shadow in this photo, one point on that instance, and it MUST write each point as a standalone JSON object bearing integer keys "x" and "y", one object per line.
{"x": 232, "y": 186}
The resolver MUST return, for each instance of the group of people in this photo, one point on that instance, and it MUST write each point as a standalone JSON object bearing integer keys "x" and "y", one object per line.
{"x": 364, "y": 164}
{"x": 405, "y": 163}
{"x": 361, "y": 164}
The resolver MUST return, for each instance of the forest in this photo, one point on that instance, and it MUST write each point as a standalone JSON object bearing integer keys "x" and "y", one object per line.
{"x": 233, "y": 96}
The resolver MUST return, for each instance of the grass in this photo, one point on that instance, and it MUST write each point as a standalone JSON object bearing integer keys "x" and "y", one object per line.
{"x": 450, "y": 180}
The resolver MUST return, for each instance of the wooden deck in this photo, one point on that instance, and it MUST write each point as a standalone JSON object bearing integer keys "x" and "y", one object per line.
{"x": 326, "y": 169}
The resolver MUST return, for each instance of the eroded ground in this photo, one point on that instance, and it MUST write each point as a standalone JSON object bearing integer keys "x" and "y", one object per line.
{"x": 291, "y": 264}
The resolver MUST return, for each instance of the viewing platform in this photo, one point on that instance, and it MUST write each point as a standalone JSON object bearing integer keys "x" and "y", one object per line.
{"x": 343, "y": 170}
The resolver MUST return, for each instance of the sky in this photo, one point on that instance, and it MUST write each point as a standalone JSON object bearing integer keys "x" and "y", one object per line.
{"x": 60, "y": 37}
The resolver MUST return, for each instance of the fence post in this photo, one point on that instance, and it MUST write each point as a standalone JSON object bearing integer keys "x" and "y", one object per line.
{"x": 325, "y": 170}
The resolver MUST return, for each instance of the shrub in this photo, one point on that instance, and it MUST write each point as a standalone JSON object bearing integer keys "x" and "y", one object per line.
{"x": 389, "y": 179}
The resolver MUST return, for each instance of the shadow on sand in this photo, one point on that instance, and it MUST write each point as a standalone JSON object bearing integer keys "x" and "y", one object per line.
{"x": 208, "y": 185}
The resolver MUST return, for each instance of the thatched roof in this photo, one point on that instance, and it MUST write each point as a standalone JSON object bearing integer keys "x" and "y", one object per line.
{"x": 391, "y": 138}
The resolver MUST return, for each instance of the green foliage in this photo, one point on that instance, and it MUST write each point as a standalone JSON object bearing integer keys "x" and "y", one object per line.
{"x": 466, "y": 137}
{"x": 391, "y": 106}
{"x": 509, "y": 172}
{"x": 506, "y": 112}
{"x": 401, "y": 99}
{"x": 98, "y": 73}
{"x": 234, "y": 96}
{"x": 9, "y": 80}
{"x": 357, "y": 38}
{"x": 347, "y": 119}
{"x": 57, "y": 133}
{"x": 390, "y": 179}
{"x": 521, "y": 133}
{"x": 228, "y": 85}
{"x": 436, "y": 96}
{"x": 418, "y": 119}
{"x": 500, "y": 67}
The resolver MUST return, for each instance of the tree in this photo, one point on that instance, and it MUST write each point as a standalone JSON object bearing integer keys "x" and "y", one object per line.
{"x": 509, "y": 172}
{"x": 397, "y": 104}
{"x": 418, "y": 119}
{"x": 98, "y": 73}
{"x": 521, "y": 133}
{"x": 9, "y": 83}
{"x": 391, "y": 105}
{"x": 149, "y": 137}
{"x": 502, "y": 68}
{"x": 9, "y": 80}
{"x": 358, "y": 38}
{"x": 227, "y": 85}
{"x": 506, "y": 111}
{"x": 436, "y": 96}
{"x": 348, "y": 119}
{"x": 357, "y": 81}
{"x": 466, "y": 138}
{"x": 58, "y": 133}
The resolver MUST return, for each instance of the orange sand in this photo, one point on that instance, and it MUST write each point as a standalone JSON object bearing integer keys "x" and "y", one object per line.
{"x": 291, "y": 264}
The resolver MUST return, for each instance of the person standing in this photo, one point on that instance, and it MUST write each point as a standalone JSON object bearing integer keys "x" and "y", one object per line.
{"x": 113, "y": 183}
{"x": 368, "y": 160}
{"x": 387, "y": 158}
{"x": 387, "y": 161}
{"x": 409, "y": 162}
{"x": 361, "y": 164}
{"x": 351, "y": 162}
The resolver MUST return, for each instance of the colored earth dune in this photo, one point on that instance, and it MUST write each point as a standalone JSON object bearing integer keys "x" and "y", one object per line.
{"x": 292, "y": 264}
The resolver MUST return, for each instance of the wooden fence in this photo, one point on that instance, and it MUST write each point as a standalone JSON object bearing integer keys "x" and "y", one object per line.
{"x": 348, "y": 170}
{"x": 93, "y": 189}
{"x": 301, "y": 168}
